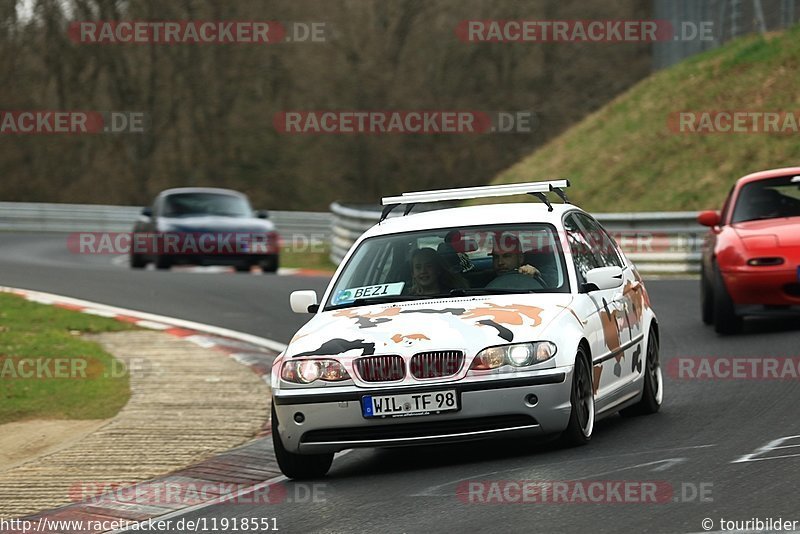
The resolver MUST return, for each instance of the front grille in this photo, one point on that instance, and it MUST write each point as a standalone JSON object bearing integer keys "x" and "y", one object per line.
{"x": 418, "y": 430}
{"x": 380, "y": 368}
{"x": 436, "y": 364}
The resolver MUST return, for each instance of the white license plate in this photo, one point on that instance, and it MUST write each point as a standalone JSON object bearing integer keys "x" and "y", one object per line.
{"x": 409, "y": 404}
{"x": 254, "y": 247}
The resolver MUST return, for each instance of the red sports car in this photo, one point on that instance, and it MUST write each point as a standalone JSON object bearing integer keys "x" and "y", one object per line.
{"x": 751, "y": 256}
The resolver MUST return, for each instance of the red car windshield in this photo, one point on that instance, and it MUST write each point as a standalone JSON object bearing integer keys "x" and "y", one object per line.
{"x": 768, "y": 199}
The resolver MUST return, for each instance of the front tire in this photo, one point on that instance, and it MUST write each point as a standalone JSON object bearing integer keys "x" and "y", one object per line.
{"x": 726, "y": 322}
{"x": 653, "y": 389}
{"x": 706, "y": 299}
{"x": 298, "y": 466}
{"x": 581, "y": 419}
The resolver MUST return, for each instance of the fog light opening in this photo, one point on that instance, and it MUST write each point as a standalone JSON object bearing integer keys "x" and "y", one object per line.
{"x": 299, "y": 417}
{"x": 531, "y": 399}
{"x": 765, "y": 262}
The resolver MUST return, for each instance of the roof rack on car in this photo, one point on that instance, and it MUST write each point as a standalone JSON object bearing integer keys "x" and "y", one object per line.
{"x": 537, "y": 189}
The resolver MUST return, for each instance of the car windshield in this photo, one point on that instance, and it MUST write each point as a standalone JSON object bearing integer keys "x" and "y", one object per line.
{"x": 768, "y": 199}
{"x": 193, "y": 204}
{"x": 502, "y": 259}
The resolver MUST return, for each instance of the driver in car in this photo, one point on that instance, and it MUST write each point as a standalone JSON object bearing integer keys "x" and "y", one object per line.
{"x": 508, "y": 262}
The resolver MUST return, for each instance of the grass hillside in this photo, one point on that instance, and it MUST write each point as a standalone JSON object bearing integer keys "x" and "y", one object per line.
{"x": 625, "y": 158}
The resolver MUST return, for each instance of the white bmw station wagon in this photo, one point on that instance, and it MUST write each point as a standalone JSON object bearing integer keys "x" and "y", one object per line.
{"x": 467, "y": 323}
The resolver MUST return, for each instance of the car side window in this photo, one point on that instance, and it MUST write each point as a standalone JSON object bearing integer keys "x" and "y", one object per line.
{"x": 602, "y": 243}
{"x": 582, "y": 255}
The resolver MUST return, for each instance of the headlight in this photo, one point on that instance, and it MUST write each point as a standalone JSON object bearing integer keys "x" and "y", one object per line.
{"x": 308, "y": 371}
{"x": 517, "y": 355}
{"x": 520, "y": 355}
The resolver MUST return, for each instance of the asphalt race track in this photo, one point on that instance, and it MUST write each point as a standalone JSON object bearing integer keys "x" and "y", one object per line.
{"x": 258, "y": 305}
{"x": 691, "y": 446}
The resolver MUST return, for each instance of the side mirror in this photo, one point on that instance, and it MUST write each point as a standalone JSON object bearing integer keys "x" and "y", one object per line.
{"x": 262, "y": 214}
{"x": 709, "y": 218}
{"x": 603, "y": 278}
{"x": 304, "y": 301}
{"x": 147, "y": 212}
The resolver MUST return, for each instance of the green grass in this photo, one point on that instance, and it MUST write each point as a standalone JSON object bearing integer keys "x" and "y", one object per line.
{"x": 93, "y": 385}
{"x": 316, "y": 260}
{"x": 625, "y": 158}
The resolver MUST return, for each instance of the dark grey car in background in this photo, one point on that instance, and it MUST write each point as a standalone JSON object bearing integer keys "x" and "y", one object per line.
{"x": 204, "y": 226}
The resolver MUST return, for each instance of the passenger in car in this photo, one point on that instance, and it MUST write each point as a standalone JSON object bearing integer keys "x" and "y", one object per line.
{"x": 453, "y": 251}
{"x": 430, "y": 275}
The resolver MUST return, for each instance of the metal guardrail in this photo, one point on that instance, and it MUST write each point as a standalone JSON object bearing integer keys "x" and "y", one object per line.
{"x": 656, "y": 242}
{"x": 41, "y": 217}
{"x": 666, "y": 242}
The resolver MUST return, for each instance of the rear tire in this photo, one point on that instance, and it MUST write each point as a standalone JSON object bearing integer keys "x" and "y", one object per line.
{"x": 581, "y": 398}
{"x": 270, "y": 265}
{"x": 726, "y": 322}
{"x": 242, "y": 268}
{"x": 298, "y": 466}
{"x": 136, "y": 261}
{"x": 163, "y": 263}
{"x": 653, "y": 389}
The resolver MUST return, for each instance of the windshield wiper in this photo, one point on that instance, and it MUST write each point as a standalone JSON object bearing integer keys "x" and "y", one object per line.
{"x": 452, "y": 293}
{"x": 488, "y": 291}
{"x": 376, "y": 300}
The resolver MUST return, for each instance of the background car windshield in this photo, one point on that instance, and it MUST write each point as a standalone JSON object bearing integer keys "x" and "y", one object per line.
{"x": 184, "y": 204}
{"x": 768, "y": 199}
{"x": 497, "y": 259}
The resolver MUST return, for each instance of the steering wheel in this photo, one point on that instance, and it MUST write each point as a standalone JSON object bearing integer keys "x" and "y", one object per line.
{"x": 539, "y": 278}
{"x": 515, "y": 280}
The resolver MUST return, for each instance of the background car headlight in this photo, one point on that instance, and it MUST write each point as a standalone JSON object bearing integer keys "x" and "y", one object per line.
{"x": 308, "y": 371}
{"x": 516, "y": 355}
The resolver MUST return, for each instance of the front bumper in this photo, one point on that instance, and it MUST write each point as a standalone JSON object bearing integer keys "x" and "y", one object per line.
{"x": 763, "y": 286}
{"x": 489, "y": 408}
